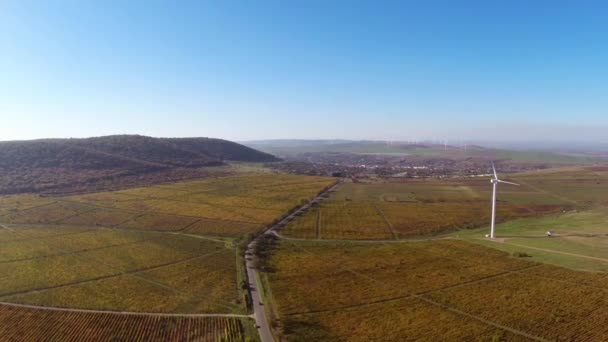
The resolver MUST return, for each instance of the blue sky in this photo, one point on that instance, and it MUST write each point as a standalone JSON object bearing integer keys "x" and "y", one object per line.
{"x": 504, "y": 70}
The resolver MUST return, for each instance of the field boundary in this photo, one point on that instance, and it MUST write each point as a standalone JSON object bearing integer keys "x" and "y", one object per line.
{"x": 536, "y": 188}
{"x": 421, "y": 296}
{"x": 557, "y": 252}
{"x": 480, "y": 319}
{"x": 319, "y": 224}
{"x": 114, "y": 275}
{"x": 155, "y": 212}
{"x": 64, "y": 253}
{"x": 388, "y": 223}
{"x": 133, "y": 313}
{"x": 28, "y": 208}
{"x": 35, "y": 238}
{"x": 7, "y": 228}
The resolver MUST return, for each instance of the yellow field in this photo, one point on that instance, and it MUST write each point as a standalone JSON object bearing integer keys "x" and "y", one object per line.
{"x": 429, "y": 290}
{"x": 415, "y": 207}
{"x": 164, "y": 248}
{"x": 228, "y": 206}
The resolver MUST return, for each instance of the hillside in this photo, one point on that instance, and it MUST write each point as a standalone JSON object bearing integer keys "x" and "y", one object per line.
{"x": 68, "y": 165}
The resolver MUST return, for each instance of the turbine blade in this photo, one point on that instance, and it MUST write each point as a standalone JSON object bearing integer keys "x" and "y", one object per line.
{"x": 501, "y": 181}
{"x": 494, "y": 169}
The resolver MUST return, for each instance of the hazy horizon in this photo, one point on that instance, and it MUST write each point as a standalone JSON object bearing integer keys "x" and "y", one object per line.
{"x": 473, "y": 70}
{"x": 531, "y": 144}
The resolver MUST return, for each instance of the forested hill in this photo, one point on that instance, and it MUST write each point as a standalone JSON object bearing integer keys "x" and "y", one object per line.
{"x": 47, "y": 164}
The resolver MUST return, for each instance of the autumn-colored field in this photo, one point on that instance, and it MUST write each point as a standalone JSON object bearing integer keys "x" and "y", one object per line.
{"x": 169, "y": 248}
{"x": 28, "y": 324}
{"x": 227, "y": 206}
{"x": 108, "y": 269}
{"x": 414, "y": 207}
{"x": 429, "y": 290}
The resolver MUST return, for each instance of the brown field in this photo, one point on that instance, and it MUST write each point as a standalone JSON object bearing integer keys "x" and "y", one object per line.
{"x": 158, "y": 222}
{"x": 109, "y": 269}
{"x": 28, "y": 324}
{"x": 407, "y": 319}
{"x": 352, "y": 221}
{"x": 226, "y": 207}
{"x": 197, "y": 285}
{"x": 46, "y": 214}
{"x": 367, "y": 220}
{"x": 158, "y": 249}
{"x": 409, "y": 208}
{"x": 429, "y": 290}
{"x": 220, "y": 228}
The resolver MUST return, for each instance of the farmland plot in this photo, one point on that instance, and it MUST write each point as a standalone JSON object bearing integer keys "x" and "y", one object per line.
{"x": 203, "y": 284}
{"x": 118, "y": 270}
{"x": 306, "y": 226}
{"x": 406, "y": 319}
{"x": 142, "y": 249}
{"x": 406, "y": 209}
{"x": 99, "y": 217}
{"x": 551, "y": 309}
{"x": 158, "y": 222}
{"x": 221, "y": 228}
{"x": 10, "y": 204}
{"x": 225, "y": 206}
{"x": 360, "y": 221}
{"x": 17, "y": 323}
{"x": 46, "y": 214}
{"x": 431, "y": 290}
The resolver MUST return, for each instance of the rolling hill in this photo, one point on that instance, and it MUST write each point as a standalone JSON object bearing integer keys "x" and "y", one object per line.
{"x": 69, "y": 165}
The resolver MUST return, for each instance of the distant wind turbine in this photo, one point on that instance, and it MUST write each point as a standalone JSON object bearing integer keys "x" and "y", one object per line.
{"x": 495, "y": 182}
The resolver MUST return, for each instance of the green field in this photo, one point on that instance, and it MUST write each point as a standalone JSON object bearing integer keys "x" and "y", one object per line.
{"x": 579, "y": 241}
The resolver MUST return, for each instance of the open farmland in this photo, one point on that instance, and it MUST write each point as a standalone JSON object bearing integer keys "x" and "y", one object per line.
{"x": 384, "y": 211}
{"x": 161, "y": 249}
{"x": 23, "y": 323}
{"x": 579, "y": 241}
{"x": 583, "y": 186}
{"x": 117, "y": 270}
{"x": 579, "y": 234}
{"x": 429, "y": 290}
{"x": 226, "y": 207}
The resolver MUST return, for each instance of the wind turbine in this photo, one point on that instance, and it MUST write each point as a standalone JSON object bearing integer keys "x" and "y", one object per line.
{"x": 495, "y": 182}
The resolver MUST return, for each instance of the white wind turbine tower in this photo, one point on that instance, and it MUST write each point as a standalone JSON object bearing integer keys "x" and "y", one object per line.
{"x": 495, "y": 182}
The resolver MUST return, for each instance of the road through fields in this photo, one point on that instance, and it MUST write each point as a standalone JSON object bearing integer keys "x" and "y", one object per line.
{"x": 259, "y": 312}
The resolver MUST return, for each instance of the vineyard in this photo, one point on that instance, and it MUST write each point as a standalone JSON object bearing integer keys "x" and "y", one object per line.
{"x": 27, "y": 324}
{"x": 118, "y": 270}
{"x": 384, "y": 211}
{"x": 226, "y": 207}
{"x": 400, "y": 320}
{"x": 430, "y": 290}
{"x": 168, "y": 248}
{"x": 171, "y": 248}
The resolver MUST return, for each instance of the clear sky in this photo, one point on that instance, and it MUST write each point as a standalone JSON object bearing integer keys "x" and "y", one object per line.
{"x": 505, "y": 70}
